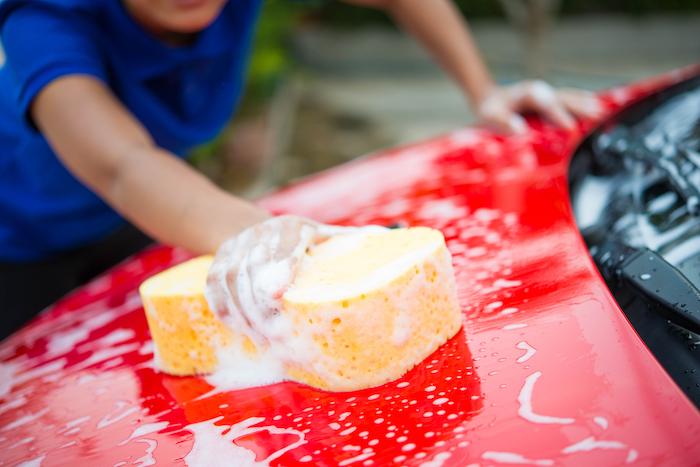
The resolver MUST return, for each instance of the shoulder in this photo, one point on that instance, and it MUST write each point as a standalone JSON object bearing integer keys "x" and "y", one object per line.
{"x": 240, "y": 11}
{"x": 57, "y": 8}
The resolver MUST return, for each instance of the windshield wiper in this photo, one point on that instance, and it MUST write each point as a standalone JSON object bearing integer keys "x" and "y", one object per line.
{"x": 648, "y": 275}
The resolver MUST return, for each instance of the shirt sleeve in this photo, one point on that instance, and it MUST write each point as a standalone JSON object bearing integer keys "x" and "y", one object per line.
{"x": 41, "y": 44}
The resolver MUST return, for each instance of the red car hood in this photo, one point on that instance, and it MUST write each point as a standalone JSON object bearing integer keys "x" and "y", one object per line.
{"x": 546, "y": 371}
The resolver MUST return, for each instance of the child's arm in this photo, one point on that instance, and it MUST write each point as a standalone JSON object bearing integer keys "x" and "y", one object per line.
{"x": 439, "y": 26}
{"x": 108, "y": 149}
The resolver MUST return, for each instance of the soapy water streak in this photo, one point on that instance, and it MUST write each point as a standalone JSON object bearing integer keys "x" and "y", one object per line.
{"x": 145, "y": 429}
{"x": 590, "y": 443}
{"x": 530, "y": 351}
{"x": 512, "y": 458}
{"x": 586, "y": 445}
{"x": 212, "y": 443}
{"x": 525, "y": 401}
{"x": 147, "y": 460}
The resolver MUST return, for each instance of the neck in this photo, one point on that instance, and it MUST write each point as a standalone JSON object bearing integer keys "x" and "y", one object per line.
{"x": 178, "y": 39}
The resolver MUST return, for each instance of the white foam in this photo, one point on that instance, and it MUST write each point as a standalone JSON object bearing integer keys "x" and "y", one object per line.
{"x": 115, "y": 337}
{"x": 590, "y": 443}
{"x": 21, "y": 442}
{"x": 104, "y": 355}
{"x": 145, "y": 429}
{"x": 529, "y": 351}
{"x": 13, "y": 374}
{"x": 24, "y": 420}
{"x": 147, "y": 348}
{"x": 505, "y": 283}
{"x": 510, "y": 327}
{"x": 437, "y": 461}
{"x": 13, "y": 404}
{"x": 78, "y": 421}
{"x": 359, "y": 458}
{"x": 525, "y": 401}
{"x": 238, "y": 372}
{"x": 508, "y": 311}
{"x": 212, "y": 443}
{"x": 63, "y": 342}
{"x": 602, "y": 421}
{"x": 7, "y": 371}
{"x": 513, "y": 458}
{"x": 117, "y": 414}
{"x": 32, "y": 463}
{"x": 147, "y": 460}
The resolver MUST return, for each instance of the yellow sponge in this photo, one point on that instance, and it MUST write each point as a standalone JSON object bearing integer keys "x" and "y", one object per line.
{"x": 375, "y": 306}
{"x": 363, "y": 310}
{"x": 186, "y": 334}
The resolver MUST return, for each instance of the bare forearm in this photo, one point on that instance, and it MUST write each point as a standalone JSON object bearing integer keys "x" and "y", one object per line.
{"x": 108, "y": 150}
{"x": 440, "y": 28}
{"x": 176, "y": 205}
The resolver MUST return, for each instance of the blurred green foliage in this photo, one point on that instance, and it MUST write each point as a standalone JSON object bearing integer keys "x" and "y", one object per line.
{"x": 270, "y": 57}
{"x": 269, "y": 61}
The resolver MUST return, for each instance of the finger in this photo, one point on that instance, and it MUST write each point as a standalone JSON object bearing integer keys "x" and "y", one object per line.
{"x": 214, "y": 294}
{"x": 542, "y": 98}
{"x": 257, "y": 265}
{"x": 306, "y": 233}
{"x": 246, "y": 303}
{"x": 289, "y": 237}
{"x": 507, "y": 121}
{"x": 558, "y": 115}
{"x": 232, "y": 287}
{"x": 497, "y": 113}
{"x": 582, "y": 104}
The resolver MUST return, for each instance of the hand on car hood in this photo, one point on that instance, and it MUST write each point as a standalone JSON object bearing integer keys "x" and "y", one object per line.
{"x": 503, "y": 104}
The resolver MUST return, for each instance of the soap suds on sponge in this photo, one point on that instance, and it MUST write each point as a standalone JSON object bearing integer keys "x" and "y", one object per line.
{"x": 362, "y": 311}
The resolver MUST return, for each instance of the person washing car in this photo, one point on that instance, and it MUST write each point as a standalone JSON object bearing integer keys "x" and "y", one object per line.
{"x": 100, "y": 101}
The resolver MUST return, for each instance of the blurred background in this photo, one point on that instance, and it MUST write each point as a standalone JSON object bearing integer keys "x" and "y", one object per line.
{"x": 329, "y": 82}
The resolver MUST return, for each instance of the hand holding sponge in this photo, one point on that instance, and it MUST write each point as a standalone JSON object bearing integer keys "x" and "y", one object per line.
{"x": 363, "y": 309}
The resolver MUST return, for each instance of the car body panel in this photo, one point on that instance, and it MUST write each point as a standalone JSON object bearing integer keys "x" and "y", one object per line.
{"x": 546, "y": 370}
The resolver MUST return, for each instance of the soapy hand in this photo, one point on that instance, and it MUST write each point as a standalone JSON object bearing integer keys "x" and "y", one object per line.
{"x": 503, "y": 104}
{"x": 252, "y": 270}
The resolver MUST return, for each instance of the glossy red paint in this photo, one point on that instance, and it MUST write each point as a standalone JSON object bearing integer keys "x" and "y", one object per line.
{"x": 546, "y": 371}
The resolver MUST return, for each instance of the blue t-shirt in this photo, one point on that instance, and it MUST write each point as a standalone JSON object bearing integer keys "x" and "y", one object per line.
{"x": 182, "y": 95}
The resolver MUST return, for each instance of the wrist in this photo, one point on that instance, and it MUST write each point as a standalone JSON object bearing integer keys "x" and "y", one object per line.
{"x": 480, "y": 94}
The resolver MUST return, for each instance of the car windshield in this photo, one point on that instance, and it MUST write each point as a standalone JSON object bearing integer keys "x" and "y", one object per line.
{"x": 635, "y": 188}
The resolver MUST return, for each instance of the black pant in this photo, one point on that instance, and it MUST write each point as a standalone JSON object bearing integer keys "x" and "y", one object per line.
{"x": 28, "y": 288}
